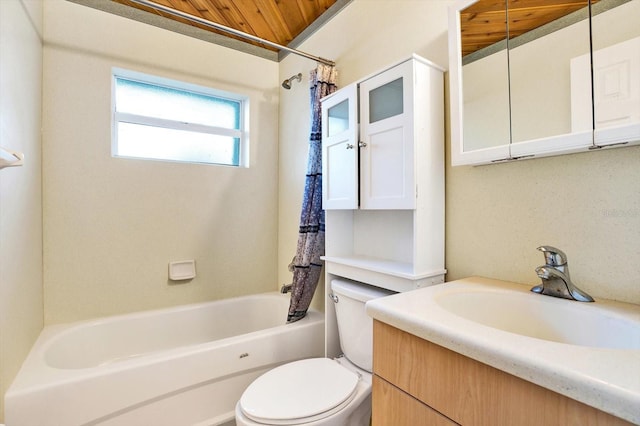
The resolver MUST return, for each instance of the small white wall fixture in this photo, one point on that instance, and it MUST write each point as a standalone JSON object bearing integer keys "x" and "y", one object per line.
{"x": 9, "y": 158}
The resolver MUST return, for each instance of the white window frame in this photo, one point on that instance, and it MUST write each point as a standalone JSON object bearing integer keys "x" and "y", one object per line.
{"x": 242, "y": 133}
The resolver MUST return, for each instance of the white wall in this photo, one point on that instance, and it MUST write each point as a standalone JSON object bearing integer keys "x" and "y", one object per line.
{"x": 587, "y": 204}
{"x": 20, "y": 187}
{"x": 112, "y": 225}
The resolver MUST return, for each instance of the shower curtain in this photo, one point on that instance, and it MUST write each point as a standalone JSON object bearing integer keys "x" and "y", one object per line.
{"x": 307, "y": 263}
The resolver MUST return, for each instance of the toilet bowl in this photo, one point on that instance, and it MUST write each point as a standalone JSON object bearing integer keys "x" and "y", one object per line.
{"x": 321, "y": 391}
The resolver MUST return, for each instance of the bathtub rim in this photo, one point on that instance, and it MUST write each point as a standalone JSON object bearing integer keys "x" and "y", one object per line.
{"x": 54, "y": 334}
{"x": 34, "y": 367}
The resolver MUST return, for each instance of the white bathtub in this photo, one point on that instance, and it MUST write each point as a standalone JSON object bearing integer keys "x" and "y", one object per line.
{"x": 186, "y": 365}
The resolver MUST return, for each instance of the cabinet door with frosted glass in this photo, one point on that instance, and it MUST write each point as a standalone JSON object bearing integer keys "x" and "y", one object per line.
{"x": 386, "y": 140}
{"x": 340, "y": 150}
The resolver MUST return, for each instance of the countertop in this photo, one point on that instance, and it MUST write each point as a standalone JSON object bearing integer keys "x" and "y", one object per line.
{"x": 604, "y": 378}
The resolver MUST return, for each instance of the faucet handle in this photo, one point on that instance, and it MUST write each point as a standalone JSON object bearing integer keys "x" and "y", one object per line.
{"x": 553, "y": 256}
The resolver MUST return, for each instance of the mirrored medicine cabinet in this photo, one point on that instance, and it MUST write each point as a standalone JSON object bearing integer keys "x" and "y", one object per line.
{"x": 533, "y": 78}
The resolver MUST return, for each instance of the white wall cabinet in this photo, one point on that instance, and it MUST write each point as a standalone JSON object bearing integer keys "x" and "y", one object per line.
{"x": 369, "y": 161}
{"x": 383, "y": 181}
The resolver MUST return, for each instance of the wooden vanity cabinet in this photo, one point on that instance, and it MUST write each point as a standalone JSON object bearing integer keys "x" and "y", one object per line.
{"x": 417, "y": 383}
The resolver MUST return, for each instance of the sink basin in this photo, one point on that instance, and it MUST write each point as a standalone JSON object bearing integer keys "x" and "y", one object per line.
{"x": 544, "y": 317}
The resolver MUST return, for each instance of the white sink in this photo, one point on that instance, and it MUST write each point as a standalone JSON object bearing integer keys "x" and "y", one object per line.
{"x": 586, "y": 351}
{"x": 543, "y": 317}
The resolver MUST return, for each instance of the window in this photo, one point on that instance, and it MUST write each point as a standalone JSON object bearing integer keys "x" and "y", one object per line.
{"x": 161, "y": 119}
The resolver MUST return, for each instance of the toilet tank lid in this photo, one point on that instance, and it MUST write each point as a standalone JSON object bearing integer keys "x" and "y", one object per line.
{"x": 358, "y": 291}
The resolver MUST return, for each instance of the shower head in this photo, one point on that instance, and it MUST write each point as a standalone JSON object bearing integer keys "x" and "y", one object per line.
{"x": 287, "y": 83}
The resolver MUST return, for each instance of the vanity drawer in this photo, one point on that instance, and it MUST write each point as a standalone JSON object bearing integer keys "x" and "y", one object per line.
{"x": 470, "y": 392}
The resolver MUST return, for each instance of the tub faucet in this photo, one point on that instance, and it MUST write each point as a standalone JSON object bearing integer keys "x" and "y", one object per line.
{"x": 286, "y": 288}
{"x": 555, "y": 277}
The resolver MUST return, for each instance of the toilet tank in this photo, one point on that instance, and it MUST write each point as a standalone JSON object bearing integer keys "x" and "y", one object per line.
{"x": 355, "y": 327}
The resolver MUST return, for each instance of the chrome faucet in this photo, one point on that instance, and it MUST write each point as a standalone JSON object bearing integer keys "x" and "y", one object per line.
{"x": 555, "y": 277}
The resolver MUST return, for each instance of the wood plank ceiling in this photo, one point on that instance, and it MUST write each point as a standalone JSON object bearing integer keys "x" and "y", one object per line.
{"x": 484, "y": 23}
{"x": 281, "y": 21}
{"x": 278, "y": 21}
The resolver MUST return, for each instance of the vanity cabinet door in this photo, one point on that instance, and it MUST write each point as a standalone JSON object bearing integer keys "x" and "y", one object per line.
{"x": 387, "y": 178}
{"x": 391, "y": 406}
{"x": 340, "y": 150}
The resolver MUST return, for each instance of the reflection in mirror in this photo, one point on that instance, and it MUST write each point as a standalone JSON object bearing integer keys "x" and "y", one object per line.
{"x": 485, "y": 79}
{"x": 616, "y": 68}
{"x": 544, "y": 37}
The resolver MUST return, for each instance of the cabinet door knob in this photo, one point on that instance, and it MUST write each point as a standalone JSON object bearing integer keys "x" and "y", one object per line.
{"x": 349, "y": 146}
{"x": 362, "y": 144}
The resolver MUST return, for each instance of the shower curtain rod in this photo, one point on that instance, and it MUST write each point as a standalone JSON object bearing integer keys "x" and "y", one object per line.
{"x": 229, "y": 30}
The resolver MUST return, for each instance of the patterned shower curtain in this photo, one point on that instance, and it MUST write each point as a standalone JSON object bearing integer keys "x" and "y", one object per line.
{"x": 307, "y": 263}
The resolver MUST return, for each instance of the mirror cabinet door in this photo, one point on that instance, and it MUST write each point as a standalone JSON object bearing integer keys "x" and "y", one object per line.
{"x": 616, "y": 71}
{"x": 541, "y": 77}
{"x": 479, "y": 83}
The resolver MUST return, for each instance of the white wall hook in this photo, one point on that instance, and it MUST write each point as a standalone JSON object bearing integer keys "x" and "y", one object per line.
{"x": 9, "y": 158}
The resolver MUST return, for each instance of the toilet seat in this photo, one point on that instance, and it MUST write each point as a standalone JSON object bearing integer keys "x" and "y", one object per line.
{"x": 299, "y": 392}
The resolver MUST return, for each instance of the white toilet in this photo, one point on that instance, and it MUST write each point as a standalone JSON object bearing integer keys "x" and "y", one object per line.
{"x": 321, "y": 391}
